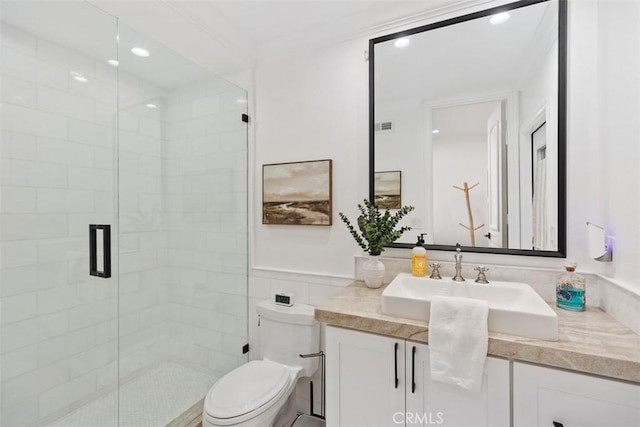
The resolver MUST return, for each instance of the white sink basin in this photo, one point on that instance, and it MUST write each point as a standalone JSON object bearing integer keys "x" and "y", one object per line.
{"x": 514, "y": 308}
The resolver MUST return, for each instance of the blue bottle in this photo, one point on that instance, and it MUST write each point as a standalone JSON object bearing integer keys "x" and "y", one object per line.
{"x": 570, "y": 289}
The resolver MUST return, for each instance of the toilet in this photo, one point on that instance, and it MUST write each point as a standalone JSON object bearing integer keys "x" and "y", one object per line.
{"x": 261, "y": 392}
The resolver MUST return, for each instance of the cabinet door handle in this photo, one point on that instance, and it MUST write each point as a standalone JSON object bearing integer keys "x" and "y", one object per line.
{"x": 413, "y": 369}
{"x": 557, "y": 424}
{"x": 395, "y": 363}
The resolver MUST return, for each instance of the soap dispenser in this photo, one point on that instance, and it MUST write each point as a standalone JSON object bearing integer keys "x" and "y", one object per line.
{"x": 419, "y": 258}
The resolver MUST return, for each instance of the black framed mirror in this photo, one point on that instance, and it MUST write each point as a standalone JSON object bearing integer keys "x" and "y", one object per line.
{"x": 471, "y": 112}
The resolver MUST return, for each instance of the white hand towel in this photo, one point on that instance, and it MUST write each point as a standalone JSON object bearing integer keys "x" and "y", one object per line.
{"x": 458, "y": 340}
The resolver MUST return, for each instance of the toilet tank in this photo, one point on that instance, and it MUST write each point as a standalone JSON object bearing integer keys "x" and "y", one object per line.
{"x": 287, "y": 332}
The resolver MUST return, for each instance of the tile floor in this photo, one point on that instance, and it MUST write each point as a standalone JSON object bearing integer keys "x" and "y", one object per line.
{"x": 152, "y": 400}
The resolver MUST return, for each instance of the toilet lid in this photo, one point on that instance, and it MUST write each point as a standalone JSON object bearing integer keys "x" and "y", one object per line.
{"x": 246, "y": 388}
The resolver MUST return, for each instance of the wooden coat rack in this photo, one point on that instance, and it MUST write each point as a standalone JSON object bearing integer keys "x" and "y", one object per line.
{"x": 470, "y": 227}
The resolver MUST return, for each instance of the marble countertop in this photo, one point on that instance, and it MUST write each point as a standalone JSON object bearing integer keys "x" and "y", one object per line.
{"x": 590, "y": 342}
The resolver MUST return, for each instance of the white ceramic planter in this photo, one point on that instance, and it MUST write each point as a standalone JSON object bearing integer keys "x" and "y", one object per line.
{"x": 373, "y": 272}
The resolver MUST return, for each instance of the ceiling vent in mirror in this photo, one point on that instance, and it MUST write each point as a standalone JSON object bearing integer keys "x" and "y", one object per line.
{"x": 384, "y": 127}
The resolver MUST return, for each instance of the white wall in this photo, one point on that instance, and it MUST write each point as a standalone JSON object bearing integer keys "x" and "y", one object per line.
{"x": 539, "y": 91}
{"x": 450, "y": 207}
{"x": 314, "y": 105}
{"x": 618, "y": 100}
{"x": 405, "y": 149}
{"x": 309, "y": 107}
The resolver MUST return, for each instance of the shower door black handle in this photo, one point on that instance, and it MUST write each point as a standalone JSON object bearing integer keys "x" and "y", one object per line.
{"x": 100, "y": 238}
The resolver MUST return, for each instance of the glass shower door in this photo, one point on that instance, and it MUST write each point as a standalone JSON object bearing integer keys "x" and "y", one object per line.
{"x": 59, "y": 340}
{"x": 110, "y": 137}
{"x": 183, "y": 231}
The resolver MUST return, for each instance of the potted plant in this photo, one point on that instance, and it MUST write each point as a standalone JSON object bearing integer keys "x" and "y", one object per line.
{"x": 377, "y": 230}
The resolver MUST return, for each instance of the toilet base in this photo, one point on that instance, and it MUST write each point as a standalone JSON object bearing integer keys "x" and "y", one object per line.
{"x": 287, "y": 414}
{"x": 305, "y": 420}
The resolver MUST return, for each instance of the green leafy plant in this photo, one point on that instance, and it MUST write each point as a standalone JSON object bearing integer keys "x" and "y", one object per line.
{"x": 376, "y": 229}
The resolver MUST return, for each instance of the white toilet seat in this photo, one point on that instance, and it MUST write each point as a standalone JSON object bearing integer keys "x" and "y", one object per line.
{"x": 246, "y": 392}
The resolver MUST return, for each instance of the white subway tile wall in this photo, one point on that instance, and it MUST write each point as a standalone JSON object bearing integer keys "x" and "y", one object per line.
{"x": 59, "y": 328}
{"x": 206, "y": 199}
{"x": 179, "y": 244}
{"x": 142, "y": 238}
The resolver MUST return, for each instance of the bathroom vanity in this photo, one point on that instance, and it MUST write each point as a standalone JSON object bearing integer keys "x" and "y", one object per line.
{"x": 378, "y": 372}
{"x": 380, "y": 380}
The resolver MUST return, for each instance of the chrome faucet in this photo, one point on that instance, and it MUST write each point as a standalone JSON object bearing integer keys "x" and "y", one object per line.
{"x": 458, "y": 257}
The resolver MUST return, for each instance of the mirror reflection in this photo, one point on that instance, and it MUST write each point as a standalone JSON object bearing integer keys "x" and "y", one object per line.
{"x": 467, "y": 111}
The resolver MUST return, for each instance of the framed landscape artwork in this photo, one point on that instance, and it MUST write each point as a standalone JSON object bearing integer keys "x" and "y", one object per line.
{"x": 388, "y": 190}
{"x": 297, "y": 193}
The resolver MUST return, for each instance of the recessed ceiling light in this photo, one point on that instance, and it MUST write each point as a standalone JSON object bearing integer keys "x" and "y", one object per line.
{"x": 241, "y": 101}
{"x": 138, "y": 51}
{"x": 113, "y": 62}
{"x": 403, "y": 42}
{"x": 152, "y": 106}
{"x": 499, "y": 18}
{"x": 435, "y": 131}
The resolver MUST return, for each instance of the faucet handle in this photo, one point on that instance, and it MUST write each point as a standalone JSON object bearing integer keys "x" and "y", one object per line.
{"x": 435, "y": 272}
{"x": 482, "y": 278}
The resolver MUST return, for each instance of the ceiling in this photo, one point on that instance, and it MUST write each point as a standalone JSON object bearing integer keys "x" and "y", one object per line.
{"x": 462, "y": 121}
{"x": 466, "y": 58}
{"x": 227, "y": 36}
{"x": 220, "y": 36}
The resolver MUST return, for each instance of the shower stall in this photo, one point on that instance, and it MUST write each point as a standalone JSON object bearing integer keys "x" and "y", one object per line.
{"x": 123, "y": 234}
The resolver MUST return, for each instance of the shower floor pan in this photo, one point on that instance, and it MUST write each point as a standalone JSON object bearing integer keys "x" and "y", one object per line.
{"x": 153, "y": 399}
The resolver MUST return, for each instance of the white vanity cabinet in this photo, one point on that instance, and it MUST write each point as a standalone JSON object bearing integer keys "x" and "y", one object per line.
{"x": 374, "y": 380}
{"x": 362, "y": 369}
{"x": 547, "y": 397}
{"x": 450, "y": 405}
